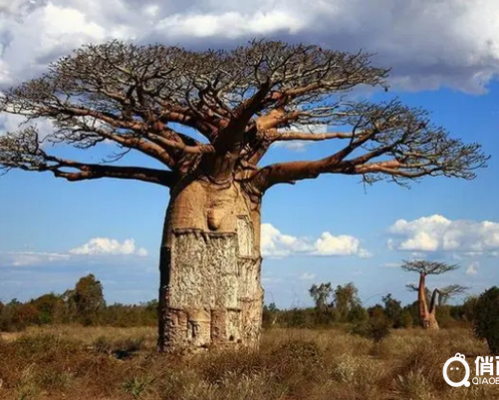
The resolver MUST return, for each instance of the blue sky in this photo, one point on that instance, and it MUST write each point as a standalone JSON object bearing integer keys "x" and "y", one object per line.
{"x": 50, "y": 229}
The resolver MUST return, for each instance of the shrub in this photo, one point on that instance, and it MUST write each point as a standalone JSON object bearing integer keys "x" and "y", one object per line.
{"x": 357, "y": 314}
{"x": 136, "y": 386}
{"x": 469, "y": 308}
{"x": 486, "y": 318}
{"x": 377, "y": 326}
{"x": 405, "y": 320}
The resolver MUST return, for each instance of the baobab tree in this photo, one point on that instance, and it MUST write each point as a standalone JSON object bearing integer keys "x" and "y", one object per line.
{"x": 427, "y": 314}
{"x": 207, "y": 118}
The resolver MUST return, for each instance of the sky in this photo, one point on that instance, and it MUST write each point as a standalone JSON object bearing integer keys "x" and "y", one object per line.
{"x": 444, "y": 57}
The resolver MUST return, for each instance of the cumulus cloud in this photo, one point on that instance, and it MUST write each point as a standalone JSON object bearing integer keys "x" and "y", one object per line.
{"x": 16, "y": 7}
{"x": 275, "y": 244}
{"x": 408, "y": 35}
{"x": 12, "y": 123}
{"x": 329, "y": 245}
{"x": 232, "y": 24}
{"x": 106, "y": 246}
{"x": 96, "y": 247}
{"x": 437, "y": 233}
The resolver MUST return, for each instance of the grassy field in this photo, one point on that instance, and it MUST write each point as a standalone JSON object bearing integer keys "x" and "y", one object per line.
{"x": 72, "y": 362}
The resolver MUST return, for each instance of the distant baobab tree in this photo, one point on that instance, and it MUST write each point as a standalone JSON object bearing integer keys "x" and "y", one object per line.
{"x": 151, "y": 99}
{"x": 427, "y": 313}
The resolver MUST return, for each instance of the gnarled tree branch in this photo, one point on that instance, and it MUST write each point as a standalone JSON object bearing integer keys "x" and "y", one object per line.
{"x": 150, "y": 99}
{"x": 23, "y": 151}
{"x": 402, "y": 140}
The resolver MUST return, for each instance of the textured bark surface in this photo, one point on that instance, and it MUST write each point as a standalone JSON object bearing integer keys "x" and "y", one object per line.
{"x": 210, "y": 292}
{"x": 430, "y": 322}
{"x": 426, "y": 315}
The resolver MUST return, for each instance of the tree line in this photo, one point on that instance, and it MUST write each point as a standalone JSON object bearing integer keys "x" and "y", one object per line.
{"x": 340, "y": 306}
{"x": 84, "y": 304}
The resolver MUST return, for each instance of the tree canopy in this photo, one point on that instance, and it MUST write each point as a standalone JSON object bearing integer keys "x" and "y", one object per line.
{"x": 428, "y": 267}
{"x": 87, "y": 296}
{"x": 217, "y": 112}
{"x": 346, "y": 299}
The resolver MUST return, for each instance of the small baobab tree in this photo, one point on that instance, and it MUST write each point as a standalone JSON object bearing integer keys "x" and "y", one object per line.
{"x": 206, "y": 119}
{"x": 427, "y": 300}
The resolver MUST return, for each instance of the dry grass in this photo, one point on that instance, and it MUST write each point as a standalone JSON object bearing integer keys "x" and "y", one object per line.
{"x": 72, "y": 362}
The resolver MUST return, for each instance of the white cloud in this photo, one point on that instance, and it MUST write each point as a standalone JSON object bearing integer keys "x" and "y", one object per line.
{"x": 437, "y": 233}
{"x": 47, "y": 32}
{"x": 142, "y": 252}
{"x": 307, "y": 276}
{"x": 472, "y": 268}
{"x": 276, "y": 244}
{"x": 106, "y": 246}
{"x": 329, "y": 245}
{"x": 96, "y": 247}
{"x": 231, "y": 24}
{"x": 15, "y": 7}
{"x": 428, "y": 43}
{"x": 31, "y": 258}
{"x": 12, "y": 123}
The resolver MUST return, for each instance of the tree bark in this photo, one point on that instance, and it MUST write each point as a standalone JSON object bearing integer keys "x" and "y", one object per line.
{"x": 210, "y": 291}
{"x": 431, "y": 322}
{"x": 427, "y": 317}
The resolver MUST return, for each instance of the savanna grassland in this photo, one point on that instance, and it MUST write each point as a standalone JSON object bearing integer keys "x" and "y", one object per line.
{"x": 83, "y": 363}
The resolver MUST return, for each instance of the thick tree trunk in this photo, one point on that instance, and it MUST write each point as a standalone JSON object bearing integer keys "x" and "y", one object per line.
{"x": 210, "y": 292}
{"x": 430, "y": 322}
{"x": 427, "y": 317}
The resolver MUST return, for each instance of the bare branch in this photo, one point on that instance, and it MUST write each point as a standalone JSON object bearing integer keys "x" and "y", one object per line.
{"x": 242, "y": 101}
{"x": 412, "y": 287}
{"x": 441, "y": 296}
{"x": 22, "y": 151}
{"x": 391, "y": 130}
{"x": 275, "y": 136}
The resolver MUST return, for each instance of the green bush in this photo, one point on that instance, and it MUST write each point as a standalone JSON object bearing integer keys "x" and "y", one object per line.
{"x": 405, "y": 320}
{"x": 468, "y": 308}
{"x": 357, "y": 314}
{"x": 486, "y": 318}
{"x": 377, "y": 326}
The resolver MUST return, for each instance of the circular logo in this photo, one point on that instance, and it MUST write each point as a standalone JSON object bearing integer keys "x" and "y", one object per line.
{"x": 460, "y": 358}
